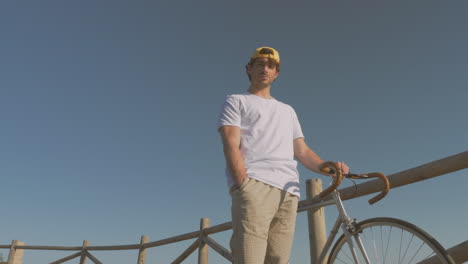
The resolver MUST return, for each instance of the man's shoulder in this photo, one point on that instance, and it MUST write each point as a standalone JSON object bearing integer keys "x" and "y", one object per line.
{"x": 237, "y": 96}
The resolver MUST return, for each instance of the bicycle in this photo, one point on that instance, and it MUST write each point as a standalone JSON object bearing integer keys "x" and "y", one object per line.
{"x": 375, "y": 240}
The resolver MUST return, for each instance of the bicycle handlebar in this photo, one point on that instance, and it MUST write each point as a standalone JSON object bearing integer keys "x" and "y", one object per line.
{"x": 331, "y": 167}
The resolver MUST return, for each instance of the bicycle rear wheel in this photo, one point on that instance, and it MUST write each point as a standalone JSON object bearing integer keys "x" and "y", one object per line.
{"x": 390, "y": 240}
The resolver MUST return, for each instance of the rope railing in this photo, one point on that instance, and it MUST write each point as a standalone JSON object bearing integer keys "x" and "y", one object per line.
{"x": 203, "y": 240}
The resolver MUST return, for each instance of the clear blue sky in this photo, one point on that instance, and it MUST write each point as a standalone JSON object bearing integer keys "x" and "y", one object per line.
{"x": 108, "y": 111}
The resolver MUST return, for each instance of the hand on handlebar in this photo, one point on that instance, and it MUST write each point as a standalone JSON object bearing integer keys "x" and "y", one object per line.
{"x": 327, "y": 170}
{"x": 341, "y": 170}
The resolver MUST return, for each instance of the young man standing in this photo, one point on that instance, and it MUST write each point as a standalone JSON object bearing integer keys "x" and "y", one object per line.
{"x": 261, "y": 136}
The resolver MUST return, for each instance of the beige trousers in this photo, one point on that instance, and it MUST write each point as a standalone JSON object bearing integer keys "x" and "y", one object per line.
{"x": 263, "y": 219}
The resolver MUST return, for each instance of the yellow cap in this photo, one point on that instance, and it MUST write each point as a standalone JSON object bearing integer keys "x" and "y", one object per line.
{"x": 266, "y": 52}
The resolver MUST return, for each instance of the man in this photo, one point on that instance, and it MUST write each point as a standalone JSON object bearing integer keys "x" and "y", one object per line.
{"x": 261, "y": 136}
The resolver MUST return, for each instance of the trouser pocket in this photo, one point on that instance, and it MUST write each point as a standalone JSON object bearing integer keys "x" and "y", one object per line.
{"x": 238, "y": 188}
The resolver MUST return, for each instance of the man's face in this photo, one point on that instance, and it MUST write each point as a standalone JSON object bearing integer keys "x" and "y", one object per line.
{"x": 262, "y": 71}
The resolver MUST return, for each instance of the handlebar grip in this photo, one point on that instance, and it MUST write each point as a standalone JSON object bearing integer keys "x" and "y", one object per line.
{"x": 386, "y": 188}
{"x": 331, "y": 167}
{"x": 379, "y": 175}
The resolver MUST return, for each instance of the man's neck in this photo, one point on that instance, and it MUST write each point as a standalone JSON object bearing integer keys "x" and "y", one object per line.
{"x": 263, "y": 92}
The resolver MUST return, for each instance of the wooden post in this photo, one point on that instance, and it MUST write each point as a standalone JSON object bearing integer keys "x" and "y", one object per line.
{"x": 83, "y": 252}
{"x": 16, "y": 255}
{"x": 316, "y": 217}
{"x": 203, "y": 250}
{"x": 11, "y": 255}
{"x": 142, "y": 252}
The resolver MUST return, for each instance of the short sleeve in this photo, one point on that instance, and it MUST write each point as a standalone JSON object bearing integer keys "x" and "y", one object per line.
{"x": 230, "y": 112}
{"x": 297, "y": 130}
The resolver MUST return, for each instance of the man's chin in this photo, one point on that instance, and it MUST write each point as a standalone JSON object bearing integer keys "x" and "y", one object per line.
{"x": 264, "y": 82}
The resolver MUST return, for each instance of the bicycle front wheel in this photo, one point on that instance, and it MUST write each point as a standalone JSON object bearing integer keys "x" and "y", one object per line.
{"x": 389, "y": 240}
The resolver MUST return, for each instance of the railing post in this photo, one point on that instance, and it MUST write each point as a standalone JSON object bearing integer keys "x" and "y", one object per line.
{"x": 142, "y": 251}
{"x": 16, "y": 255}
{"x": 203, "y": 249}
{"x": 316, "y": 217}
{"x": 83, "y": 252}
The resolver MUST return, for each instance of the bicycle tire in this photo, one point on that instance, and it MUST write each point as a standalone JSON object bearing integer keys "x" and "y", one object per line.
{"x": 378, "y": 251}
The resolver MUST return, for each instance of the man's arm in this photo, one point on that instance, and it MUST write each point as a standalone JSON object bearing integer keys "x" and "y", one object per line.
{"x": 310, "y": 159}
{"x": 230, "y": 136}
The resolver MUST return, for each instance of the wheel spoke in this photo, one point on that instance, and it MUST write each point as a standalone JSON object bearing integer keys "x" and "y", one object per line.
{"x": 381, "y": 240}
{"x": 341, "y": 260}
{"x": 406, "y": 251}
{"x": 400, "y": 243}
{"x": 374, "y": 245}
{"x": 415, "y": 254}
{"x": 429, "y": 255}
{"x": 388, "y": 243}
{"x": 348, "y": 256}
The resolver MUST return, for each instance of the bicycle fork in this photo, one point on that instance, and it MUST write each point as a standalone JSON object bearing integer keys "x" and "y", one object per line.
{"x": 349, "y": 228}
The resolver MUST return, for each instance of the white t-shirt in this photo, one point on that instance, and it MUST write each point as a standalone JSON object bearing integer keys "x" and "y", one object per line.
{"x": 268, "y": 128}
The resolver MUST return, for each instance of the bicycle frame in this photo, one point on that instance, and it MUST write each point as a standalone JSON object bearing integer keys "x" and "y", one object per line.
{"x": 347, "y": 225}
